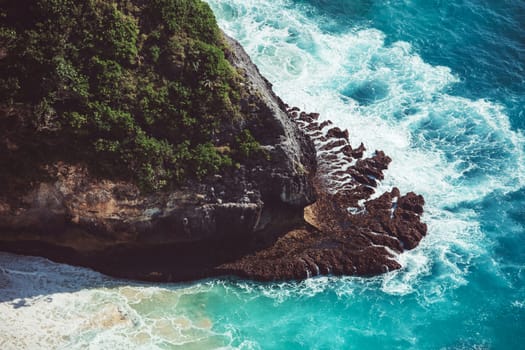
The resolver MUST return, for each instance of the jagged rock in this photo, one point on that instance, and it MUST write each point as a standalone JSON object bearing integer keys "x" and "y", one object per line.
{"x": 332, "y": 144}
{"x": 184, "y": 233}
{"x": 358, "y": 153}
{"x": 338, "y": 134}
{"x": 261, "y": 221}
{"x": 347, "y": 233}
{"x": 325, "y": 124}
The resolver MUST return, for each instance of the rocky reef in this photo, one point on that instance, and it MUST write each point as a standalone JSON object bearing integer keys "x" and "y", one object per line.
{"x": 348, "y": 230}
{"x": 303, "y": 207}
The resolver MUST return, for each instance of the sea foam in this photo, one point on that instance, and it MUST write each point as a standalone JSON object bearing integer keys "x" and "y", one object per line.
{"x": 48, "y": 305}
{"x": 454, "y": 150}
{"x": 451, "y": 149}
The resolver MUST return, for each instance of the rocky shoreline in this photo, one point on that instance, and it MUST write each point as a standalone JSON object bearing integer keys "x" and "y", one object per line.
{"x": 347, "y": 232}
{"x": 305, "y": 208}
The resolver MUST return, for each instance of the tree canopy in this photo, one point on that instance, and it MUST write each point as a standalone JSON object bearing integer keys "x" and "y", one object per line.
{"x": 135, "y": 89}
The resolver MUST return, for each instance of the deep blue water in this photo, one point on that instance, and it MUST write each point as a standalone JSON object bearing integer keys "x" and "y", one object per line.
{"x": 440, "y": 86}
{"x": 481, "y": 41}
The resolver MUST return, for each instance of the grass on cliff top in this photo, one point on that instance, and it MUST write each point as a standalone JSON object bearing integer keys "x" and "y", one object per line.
{"x": 138, "y": 90}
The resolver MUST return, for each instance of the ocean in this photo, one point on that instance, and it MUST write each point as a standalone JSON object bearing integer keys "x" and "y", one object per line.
{"x": 440, "y": 87}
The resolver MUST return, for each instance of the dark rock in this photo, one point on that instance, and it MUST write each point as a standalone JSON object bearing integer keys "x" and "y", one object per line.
{"x": 261, "y": 221}
{"x": 312, "y": 126}
{"x": 358, "y": 153}
{"x": 343, "y": 235}
{"x": 332, "y": 145}
{"x": 337, "y": 133}
{"x": 325, "y": 124}
{"x": 185, "y": 233}
{"x": 412, "y": 202}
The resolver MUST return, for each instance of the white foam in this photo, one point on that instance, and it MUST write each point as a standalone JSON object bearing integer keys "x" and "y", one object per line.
{"x": 53, "y": 306}
{"x": 437, "y": 141}
{"x": 433, "y": 138}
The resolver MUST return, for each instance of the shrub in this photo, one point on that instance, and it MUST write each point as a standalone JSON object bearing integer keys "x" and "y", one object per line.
{"x": 136, "y": 89}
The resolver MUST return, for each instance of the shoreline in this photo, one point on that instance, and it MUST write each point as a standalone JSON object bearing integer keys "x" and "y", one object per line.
{"x": 186, "y": 236}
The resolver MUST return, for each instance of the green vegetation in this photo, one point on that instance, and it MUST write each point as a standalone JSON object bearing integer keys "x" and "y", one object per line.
{"x": 136, "y": 89}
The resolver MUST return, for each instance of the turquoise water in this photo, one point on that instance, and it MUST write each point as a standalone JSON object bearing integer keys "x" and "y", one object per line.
{"x": 440, "y": 87}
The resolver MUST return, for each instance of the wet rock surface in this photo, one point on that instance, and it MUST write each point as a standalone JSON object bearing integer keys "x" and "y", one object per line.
{"x": 178, "y": 234}
{"x": 308, "y": 209}
{"x": 347, "y": 230}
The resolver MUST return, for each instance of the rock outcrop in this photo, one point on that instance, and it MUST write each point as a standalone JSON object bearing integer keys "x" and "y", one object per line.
{"x": 109, "y": 225}
{"x": 349, "y": 231}
{"x": 260, "y": 221}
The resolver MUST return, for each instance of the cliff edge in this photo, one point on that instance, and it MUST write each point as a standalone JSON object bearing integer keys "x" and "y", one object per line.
{"x": 232, "y": 181}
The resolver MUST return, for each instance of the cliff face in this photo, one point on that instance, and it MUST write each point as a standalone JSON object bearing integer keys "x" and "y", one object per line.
{"x": 236, "y": 182}
{"x": 349, "y": 230}
{"x": 180, "y": 234}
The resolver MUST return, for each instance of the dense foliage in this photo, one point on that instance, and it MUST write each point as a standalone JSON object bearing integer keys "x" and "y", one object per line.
{"x": 136, "y": 89}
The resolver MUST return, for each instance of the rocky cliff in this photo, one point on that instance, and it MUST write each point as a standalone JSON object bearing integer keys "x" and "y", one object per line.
{"x": 180, "y": 234}
{"x": 349, "y": 230}
{"x": 302, "y": 203}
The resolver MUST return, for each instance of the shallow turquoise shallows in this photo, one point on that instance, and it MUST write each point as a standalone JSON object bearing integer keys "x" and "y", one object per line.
{"x": 440, "y": 87}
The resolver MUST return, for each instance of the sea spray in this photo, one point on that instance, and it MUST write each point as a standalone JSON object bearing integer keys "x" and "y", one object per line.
{"x": 385, "y": 71}
{"x": 450, "y": 149}
{"x": 49, "y": 305}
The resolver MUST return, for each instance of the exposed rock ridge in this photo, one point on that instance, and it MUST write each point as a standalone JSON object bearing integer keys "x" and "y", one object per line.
{"x": 292, "y": 144}
{"x": 255, "y": 222}
{"x": 350, "y": 233}
{"x": 111, "y": 226}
